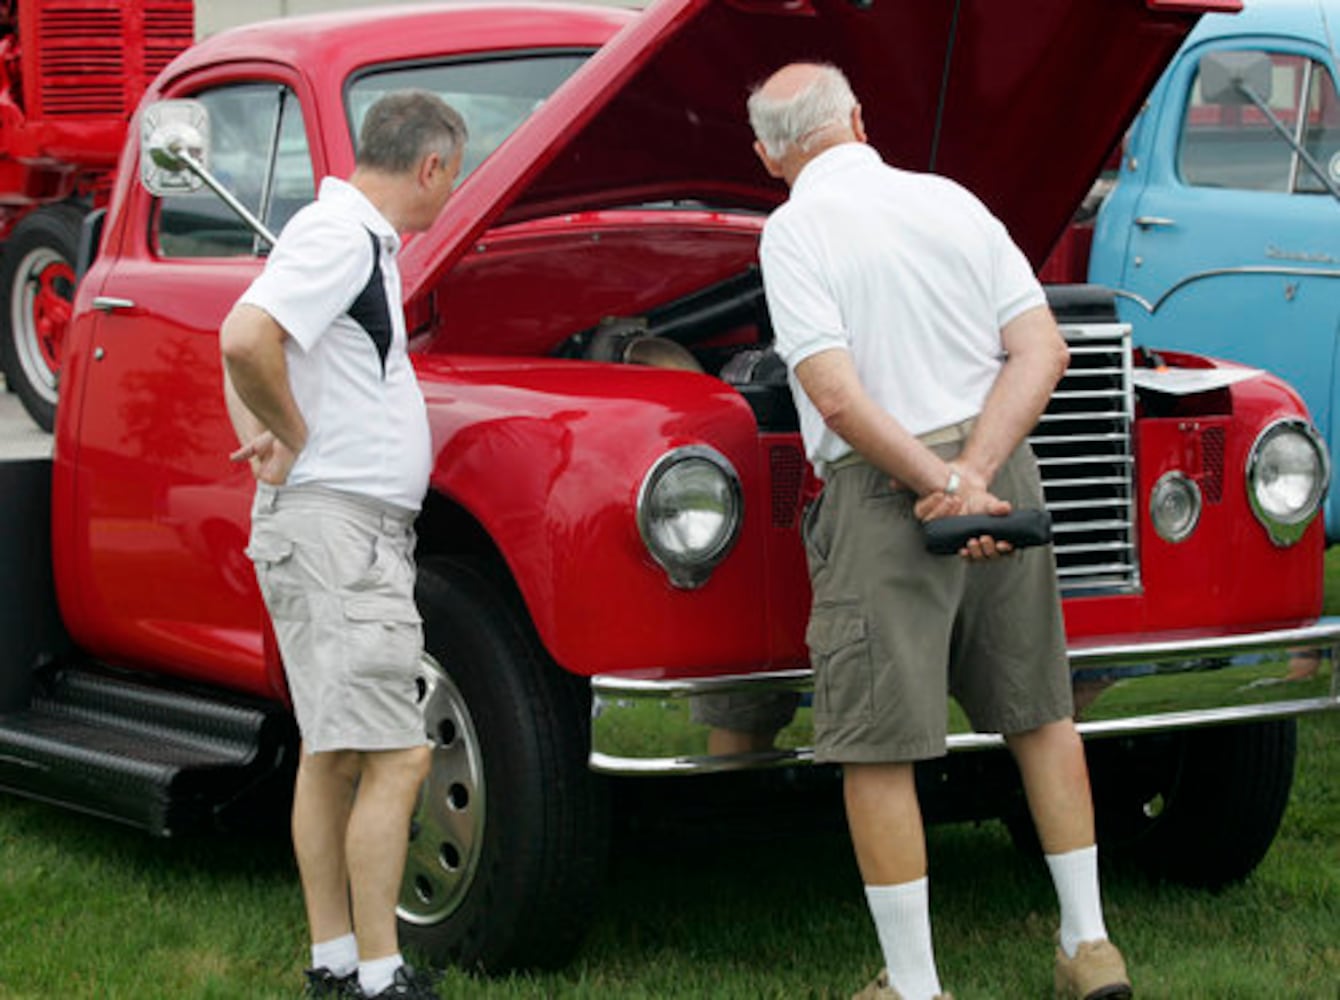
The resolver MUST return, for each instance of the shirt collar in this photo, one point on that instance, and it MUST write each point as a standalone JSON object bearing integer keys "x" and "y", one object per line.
{"x": 843, "y": 156}
{"x": 340, "y": 192}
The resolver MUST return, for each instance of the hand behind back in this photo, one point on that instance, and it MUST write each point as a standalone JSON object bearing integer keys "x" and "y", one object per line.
{"x": 972, "y": 498}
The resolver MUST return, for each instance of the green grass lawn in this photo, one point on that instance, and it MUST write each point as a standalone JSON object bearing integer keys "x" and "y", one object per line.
{"x": 89, "y": 909}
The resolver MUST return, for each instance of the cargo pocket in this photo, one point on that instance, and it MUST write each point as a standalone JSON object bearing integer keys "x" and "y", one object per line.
{"x": 272, "y": 555}
{"x": 385, "y": 636}
{"x": 839, "y": 642}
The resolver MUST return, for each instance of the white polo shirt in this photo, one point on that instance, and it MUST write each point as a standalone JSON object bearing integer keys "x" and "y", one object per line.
{"x": 907, "y": 271}
{"x": 340, "y": 304}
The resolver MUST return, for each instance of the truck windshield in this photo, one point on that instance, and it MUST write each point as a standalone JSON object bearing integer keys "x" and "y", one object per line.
{"x": 493, "y": 95}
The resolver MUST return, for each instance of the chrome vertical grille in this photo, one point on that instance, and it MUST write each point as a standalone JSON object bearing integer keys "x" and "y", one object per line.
{"x": 1083, "y": 444}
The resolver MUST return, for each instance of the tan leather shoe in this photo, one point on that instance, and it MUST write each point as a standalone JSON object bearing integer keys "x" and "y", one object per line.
{"x": 1097, "y": 972}
{"x": 879, "y": 989}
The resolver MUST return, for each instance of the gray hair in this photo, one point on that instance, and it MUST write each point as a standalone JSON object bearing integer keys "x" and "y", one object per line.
{"x": 783, "y": 123}
{"x": 404, "y": 126}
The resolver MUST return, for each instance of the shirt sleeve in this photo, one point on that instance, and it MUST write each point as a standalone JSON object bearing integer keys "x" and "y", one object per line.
{"x": 1017, "y": 288}
{"x": 806, "y": 318}
{"x": 313, "y": 274}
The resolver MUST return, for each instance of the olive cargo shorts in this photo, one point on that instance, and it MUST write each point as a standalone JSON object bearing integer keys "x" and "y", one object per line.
{"x": 894, "y": 629}
{"x": 337, "y": 574}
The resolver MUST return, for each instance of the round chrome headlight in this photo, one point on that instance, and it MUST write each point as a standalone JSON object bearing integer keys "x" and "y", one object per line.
{"x": 1287, "y": 474}
{"x": 1174, "y": 506}
{"x": 689, "y": 511}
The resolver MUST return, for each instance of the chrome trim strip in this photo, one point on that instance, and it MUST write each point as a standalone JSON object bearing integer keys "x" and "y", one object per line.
{"x": 1121, "y": 667}
{"x": 958, "y": 743}
{"x": 1217, "y": 272}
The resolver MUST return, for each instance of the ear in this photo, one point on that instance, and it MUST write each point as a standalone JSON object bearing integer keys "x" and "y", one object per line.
{"x": 773, "y": 168}
{"x": 858, "y": 124}
{"x": 427, "y": 165}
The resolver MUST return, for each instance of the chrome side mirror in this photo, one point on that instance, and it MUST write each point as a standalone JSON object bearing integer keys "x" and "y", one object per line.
{"x": 174, "y": 150}
{"x": 174, "y": 147}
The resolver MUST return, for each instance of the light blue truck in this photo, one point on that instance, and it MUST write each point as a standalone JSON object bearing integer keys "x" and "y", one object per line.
{"x": 1221, "y": 234}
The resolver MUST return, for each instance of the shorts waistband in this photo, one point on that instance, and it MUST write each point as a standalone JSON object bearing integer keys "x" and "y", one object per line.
{"x": 308, "y": 496}
{"x": 949, "y": 434}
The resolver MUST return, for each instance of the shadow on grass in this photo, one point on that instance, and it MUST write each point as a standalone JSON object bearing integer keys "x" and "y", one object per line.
{"x": 259, "y": 853}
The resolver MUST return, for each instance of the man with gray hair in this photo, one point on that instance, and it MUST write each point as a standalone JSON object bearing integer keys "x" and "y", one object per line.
{"x": 921, "y": 352}
{"x": 330, "y": 417}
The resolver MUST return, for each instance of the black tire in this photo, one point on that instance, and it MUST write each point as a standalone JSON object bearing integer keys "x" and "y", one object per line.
{"x": 37, "y": 280}
{"x": 510, "y": 843}
{"x": 1201, "y": 807}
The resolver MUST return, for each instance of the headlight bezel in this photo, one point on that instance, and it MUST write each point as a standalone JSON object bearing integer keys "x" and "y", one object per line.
{"x": 688, "y": 571}
{"x": 1286, "y": 531}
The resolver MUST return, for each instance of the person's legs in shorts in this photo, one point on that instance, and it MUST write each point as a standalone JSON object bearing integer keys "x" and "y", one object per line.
{"x": 879, "y": 638}
{"x": 338, "y": 576}
{"x": 1011, "y": 674}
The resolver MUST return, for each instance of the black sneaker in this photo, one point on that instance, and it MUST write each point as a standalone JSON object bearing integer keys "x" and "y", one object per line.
{"x": 409, "y": 984}
{"x": 325, "y": 985}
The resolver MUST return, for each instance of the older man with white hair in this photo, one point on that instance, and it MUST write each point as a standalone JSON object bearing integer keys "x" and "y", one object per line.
{"x": 921, "y": 352}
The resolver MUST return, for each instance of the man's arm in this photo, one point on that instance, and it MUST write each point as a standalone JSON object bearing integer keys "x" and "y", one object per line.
{"x": 256, "y": 375}
{"x": 269, "y": 426}
{"x": 1035, "y": 359}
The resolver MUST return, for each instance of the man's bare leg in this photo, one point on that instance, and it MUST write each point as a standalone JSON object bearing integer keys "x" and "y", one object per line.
{"x": 377, "y": 841}
{"x": 1056, "y": 781}
{"x": 884, "y": 817}
{"x": 885, "y": 821}
{"x": 323, "y": 796}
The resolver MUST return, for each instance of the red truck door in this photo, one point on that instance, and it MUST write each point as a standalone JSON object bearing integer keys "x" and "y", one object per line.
{"x": 165, "y": 512}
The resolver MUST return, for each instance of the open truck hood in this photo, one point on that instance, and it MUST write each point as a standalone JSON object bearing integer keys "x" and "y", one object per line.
{"x": 1019, "y": 100}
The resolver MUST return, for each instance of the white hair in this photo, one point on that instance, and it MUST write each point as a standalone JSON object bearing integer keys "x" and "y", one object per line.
{"x": 783, "y": 123}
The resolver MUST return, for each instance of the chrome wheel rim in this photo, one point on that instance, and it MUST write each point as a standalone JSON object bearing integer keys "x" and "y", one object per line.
{"x": 447, "y": 832}
{"x": 39, "y": 316}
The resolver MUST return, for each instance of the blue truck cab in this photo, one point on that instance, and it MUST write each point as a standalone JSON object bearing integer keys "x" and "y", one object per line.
{"x": 1221, "y": 234}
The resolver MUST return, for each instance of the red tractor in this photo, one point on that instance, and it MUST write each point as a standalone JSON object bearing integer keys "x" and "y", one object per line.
{"x": 71, "y": 73}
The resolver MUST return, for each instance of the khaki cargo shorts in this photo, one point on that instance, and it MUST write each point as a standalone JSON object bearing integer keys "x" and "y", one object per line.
{"x": 894, "y": 630}
{"x": 337, "y": 574}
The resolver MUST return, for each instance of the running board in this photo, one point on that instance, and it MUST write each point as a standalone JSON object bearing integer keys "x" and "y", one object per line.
{"x": 167, "y": 761}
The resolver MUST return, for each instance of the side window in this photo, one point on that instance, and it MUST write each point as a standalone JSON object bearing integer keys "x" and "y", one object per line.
{"x": 1321, "y": 132}
{"x": 494, "y": 96}
{"x": 1235, "y": 145}
{"x": 258, "y": 150}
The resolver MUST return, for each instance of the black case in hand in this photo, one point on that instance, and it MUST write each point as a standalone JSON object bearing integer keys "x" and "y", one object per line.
{"x": 1021, "y": 528}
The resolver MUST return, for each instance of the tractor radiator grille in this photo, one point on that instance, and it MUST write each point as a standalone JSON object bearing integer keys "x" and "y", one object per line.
{"x": 168, "y": 29}
{"x": 94, "y": 59}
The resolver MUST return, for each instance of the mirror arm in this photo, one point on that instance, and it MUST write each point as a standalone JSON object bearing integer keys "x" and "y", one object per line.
{"x": 1294, "y": 144}
{"x": 196, "y": 167}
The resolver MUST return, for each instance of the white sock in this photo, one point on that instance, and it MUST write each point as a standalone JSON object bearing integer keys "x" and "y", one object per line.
{"x": 376, "y": 975}
{"x": 339, "y": 955}
{"x": 902, "y": 917}
{"x": 1075, "y": 874}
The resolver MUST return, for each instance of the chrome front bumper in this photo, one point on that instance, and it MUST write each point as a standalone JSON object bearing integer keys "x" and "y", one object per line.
{"x": 644, "y": 727}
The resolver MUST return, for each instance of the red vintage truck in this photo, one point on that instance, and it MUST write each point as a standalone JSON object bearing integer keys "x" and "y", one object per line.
{"x": 606, "y": 541}
{"x": 71, "y": 75}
